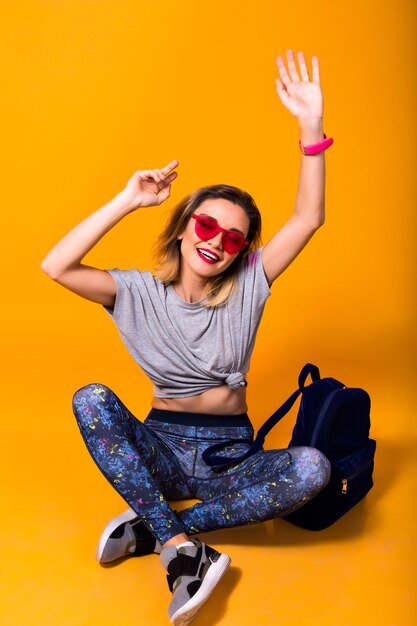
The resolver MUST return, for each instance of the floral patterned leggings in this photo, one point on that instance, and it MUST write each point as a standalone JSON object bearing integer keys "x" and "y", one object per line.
{"x": 160, "y": 459}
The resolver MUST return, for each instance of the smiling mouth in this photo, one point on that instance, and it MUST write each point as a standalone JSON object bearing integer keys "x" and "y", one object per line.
{"x": 207, "y": 256}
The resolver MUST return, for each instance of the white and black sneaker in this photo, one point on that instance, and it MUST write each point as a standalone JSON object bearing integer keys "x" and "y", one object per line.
{"x": 193, "y": 572}
{"x": 126, "y": 535}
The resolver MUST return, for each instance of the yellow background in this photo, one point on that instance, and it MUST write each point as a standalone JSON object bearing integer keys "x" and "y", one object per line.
{"x": 94, "y": 90}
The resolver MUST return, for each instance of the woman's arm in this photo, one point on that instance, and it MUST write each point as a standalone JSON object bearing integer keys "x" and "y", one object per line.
{"x": 63, "y": 262}
{"x": 304, "y": 100}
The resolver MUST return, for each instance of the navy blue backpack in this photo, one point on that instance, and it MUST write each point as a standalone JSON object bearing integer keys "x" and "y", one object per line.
{"x": 335, "y": 419}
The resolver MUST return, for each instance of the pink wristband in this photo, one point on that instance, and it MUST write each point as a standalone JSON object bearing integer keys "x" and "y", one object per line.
{"x": 315, "y": 148}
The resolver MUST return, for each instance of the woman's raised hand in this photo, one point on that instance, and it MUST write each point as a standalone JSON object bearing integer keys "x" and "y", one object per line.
{"x": 150, "y": 187}
{"x": 303, "y": 98}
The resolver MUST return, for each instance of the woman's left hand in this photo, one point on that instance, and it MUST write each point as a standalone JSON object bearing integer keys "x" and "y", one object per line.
{"x": 302, "y": 98}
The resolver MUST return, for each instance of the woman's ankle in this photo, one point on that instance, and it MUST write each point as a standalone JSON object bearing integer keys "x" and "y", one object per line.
{"x": 175, "y": 541}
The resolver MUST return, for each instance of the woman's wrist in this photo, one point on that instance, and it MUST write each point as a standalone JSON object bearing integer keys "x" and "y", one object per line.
{"x": 311, "y": 130}
{"x": 126, "y": 202}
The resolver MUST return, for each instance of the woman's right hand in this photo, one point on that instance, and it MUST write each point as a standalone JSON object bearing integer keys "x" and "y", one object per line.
{"x": 150, "y": 187}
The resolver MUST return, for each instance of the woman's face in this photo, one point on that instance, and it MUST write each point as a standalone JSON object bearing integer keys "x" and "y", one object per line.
{"x": 208, "y": 258}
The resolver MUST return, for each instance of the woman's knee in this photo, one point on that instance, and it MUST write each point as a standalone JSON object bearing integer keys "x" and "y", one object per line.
{"x": 90, "y": 393}
{"x": 312, "y": 466}
{"x": 89, "y": 398}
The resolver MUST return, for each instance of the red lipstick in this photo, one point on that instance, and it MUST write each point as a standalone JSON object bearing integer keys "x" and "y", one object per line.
{"x": 208, "y": 255}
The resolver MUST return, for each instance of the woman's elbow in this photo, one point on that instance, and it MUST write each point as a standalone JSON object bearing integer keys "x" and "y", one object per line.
{"x": 321, "y": 219}
{"x": 316, "y": 224}
{"x": 314, "y": 221}
{"x": 48, "y": 270}
{"x": 45, "y": 268}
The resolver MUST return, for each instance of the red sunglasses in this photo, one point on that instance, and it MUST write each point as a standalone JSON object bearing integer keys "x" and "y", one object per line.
{"x": 206, "y": 228}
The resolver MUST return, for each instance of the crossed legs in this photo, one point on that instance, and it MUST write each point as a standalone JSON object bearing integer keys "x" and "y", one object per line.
{"x": 145, "y": 470}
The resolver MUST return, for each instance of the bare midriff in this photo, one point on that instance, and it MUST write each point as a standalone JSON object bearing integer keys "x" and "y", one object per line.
{"x": 217, "y": 401}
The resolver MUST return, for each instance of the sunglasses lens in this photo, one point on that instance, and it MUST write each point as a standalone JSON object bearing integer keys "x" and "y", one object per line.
{"x": 233, "y": 242}
{"x": 206, "y": 228}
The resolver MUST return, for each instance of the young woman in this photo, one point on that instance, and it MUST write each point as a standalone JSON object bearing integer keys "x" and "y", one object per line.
{"x": 191, "y": 326}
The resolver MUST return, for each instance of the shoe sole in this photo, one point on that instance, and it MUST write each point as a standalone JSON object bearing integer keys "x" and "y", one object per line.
{"x": 127, "y": 516}
{"x": 216, "y": 571}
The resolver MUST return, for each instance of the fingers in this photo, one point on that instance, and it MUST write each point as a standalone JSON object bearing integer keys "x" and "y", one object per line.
{"x": 303, "y": 66}
{"x": 292, "y": 67}
{"x": 282, "y": 92}
{"x": 163, "y": 177}
{"x": 283, "y": 72}
{"x": 316, "y": 70}
{"x": 293, "y": 74}
{"x": 156, "y": 174}
{"x": 168, "y": 179}
{"x": 168, "y": 168}
{"x": 164, "y": 194}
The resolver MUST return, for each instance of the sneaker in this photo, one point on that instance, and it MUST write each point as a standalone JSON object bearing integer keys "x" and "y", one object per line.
{"x": 125, "y": 535}
{"x": 193, "y": 573}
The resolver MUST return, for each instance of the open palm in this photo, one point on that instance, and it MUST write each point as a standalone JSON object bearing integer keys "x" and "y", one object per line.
{"x": 303, "y": 98}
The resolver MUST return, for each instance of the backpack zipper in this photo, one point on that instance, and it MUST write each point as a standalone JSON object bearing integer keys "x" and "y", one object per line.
{"x": 359, "y": 471}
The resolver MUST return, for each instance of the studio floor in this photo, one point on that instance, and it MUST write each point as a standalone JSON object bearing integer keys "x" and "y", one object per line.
{"x": 360, "y": 571}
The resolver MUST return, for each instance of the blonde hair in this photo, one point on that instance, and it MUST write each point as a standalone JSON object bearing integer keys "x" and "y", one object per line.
{"x": 167, "y": 252}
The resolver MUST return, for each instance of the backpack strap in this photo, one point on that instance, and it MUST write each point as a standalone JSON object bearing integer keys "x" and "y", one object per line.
{"x": 209, "y": 454}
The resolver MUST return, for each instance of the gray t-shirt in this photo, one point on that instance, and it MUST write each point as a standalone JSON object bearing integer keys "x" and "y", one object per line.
{"x": 187, "y": 348}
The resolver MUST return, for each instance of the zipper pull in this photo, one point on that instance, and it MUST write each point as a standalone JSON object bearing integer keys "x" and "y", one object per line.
{"x": 344, "y": 485}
